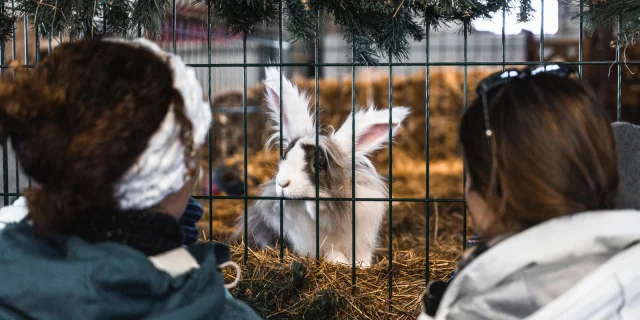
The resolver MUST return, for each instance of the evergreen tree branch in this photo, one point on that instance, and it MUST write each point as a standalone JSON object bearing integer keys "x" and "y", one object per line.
{"x": 7, "y": 21}
{"x": 299, "y": 20}
{"x": 243, "y": 15}
{"x": 373, "y": 28}
{"x": 148, "y": 15}
{"x": 606, "y": 14}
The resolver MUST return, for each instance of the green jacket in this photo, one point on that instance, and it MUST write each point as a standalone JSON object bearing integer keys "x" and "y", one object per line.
{"x": 65, "y": 277}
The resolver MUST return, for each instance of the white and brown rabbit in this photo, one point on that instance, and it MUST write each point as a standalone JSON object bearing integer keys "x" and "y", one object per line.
{"x": 296, "y": 179}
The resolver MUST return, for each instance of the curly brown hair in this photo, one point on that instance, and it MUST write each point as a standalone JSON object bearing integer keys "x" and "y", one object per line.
{"x": 554, "y": 152}
{"x": 79, "y": 121}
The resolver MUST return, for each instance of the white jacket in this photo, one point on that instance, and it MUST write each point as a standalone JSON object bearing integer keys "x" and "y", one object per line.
{"x": 584, "y": 266}
{"x": 13, "y": 213}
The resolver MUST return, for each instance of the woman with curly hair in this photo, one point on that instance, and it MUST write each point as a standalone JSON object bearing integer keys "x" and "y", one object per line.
{"x": 109, "y": 130}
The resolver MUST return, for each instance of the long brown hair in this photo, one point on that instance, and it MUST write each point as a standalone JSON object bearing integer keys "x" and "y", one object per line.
{"x": 80, "y": 120}
{"x": 554, "y": 152}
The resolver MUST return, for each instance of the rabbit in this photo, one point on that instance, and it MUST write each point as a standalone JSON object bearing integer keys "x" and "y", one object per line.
{"x": 296, "y": 178}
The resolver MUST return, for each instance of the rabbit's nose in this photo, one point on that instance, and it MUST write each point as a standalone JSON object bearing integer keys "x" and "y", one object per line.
{"x": 285, "y": 184}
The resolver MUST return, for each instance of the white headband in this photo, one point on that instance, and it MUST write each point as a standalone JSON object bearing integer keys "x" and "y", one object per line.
{"x": 161, "y": 170}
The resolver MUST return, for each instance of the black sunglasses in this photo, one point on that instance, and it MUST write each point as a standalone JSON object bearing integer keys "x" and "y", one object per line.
{"x": 499, "y": 79}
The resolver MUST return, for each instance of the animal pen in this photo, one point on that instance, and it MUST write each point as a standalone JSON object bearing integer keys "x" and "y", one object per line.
{"x": 426, "y": 226}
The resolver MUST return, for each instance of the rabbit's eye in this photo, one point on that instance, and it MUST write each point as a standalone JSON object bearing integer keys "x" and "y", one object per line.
{"x": 310, "y": 158}
{"x": 322, "y": 161}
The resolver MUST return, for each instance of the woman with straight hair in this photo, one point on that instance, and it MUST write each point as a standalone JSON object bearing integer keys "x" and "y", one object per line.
{"x": 542, "y": 176}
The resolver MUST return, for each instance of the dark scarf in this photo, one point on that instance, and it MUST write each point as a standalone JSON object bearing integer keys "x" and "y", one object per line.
{"x": 435, "y": 289}
{"x": 149, "y": 232}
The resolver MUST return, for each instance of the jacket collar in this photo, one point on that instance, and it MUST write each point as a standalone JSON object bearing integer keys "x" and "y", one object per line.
{"x": 587, "y": 233}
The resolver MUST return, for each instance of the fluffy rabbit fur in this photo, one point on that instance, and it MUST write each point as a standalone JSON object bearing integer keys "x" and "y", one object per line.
{"x": 296, "y": 178}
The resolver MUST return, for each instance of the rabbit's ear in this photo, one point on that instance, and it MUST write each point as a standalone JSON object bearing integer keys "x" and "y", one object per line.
{"x": 296, "y": 117}
{"x": 371, "y": 130}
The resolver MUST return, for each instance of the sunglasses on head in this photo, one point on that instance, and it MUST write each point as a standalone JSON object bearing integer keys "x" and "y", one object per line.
{"x": 500, "y": 79}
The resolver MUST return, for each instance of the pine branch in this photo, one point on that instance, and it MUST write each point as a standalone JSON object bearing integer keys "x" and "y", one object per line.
{"x": 371, "y": 27}
{"x": 526, "y": 11}
{"x": 53, "y": 15}
{"x": 87, "y": 17}
{"x": 607, "y": 13}
{"x": 430, "y": 15}
{"x": 396, "y": 32}
{"x": 243, "y": 15}
{"x": 300, "y": 20}
{"x": 116, "y": 12}
{"x": 361, "y": 25}
{"x": 7, "y": 21}
{"x": 148, "y": 15}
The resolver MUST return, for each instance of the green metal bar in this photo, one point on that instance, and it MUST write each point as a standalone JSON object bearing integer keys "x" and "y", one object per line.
{"x": 504, "y": 34}
{"x": 13, "y": 36}
{"x": 26, "y": 62}
{"x": 434, "y": 200}
{"x": 317, "y": 106}
{"x": 464, "y": 107}
{"x": 209, "y": 2}
{"x": 281, "y": 30}
{"x": 2, "y": 45}
{"x": 173, "y": 27}
{"x": 37, "y": 31}
{"x": 353, "y": 171}
{"x": 244, "y": 120}
{"x": 541, "y": 30}
{"x": 26, "y": 38}
{"x": 104, "y": 21}
{"x": 427, "y": 175}
{"x": 14, "y": 55}
{"x": 414, "y": 64}
{"x": 48, "y": 43}
{"x": 5, "y": 149}
{"x": 395, "y": 64}
{"x": 390, "y": 181}
{"x": 619, "y": 67}
{"x": 581, "y": 40}
{"x": 11, "y": 194}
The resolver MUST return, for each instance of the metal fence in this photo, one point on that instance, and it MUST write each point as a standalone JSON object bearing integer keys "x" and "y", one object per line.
{"x": 210, "y": 65}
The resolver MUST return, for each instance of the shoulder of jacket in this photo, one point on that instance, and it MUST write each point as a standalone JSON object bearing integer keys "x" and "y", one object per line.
{"x": 615, "y": 285}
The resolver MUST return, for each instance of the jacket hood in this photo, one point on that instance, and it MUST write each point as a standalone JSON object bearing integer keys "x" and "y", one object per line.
{"x": 64, "y": 277}
{"x": 627, "y": 137}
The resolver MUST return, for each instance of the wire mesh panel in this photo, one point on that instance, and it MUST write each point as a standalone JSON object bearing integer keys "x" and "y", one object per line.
{"x": 228, "y": 64}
